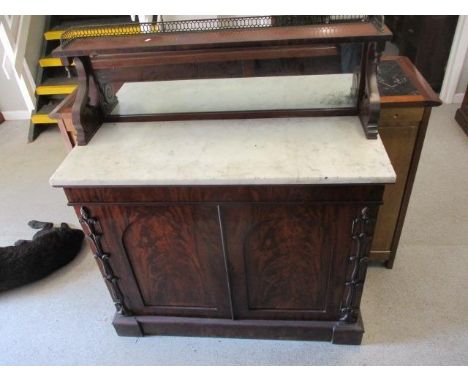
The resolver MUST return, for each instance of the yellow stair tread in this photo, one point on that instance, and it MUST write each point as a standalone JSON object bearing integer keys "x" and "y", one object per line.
{"x": 47, "y": 62}
{"x": 42, "y": 118}
{"x": 55, "y": 89}
{"x": 42, "y": 115}
{"x": 53, "y": 34}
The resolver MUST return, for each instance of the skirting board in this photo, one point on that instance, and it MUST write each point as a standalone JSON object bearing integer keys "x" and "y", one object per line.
{"x": 16, "y": 115}
{"x": 458, "y": 98}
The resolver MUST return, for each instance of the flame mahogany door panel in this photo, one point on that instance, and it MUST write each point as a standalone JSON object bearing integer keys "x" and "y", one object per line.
{"x": 288, "y": 261}
{"x": 169, "y": 259}
{"x": 246, "y": 261}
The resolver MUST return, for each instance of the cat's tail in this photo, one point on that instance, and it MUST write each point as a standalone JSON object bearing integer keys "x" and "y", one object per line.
{"x": 40, "y": 225}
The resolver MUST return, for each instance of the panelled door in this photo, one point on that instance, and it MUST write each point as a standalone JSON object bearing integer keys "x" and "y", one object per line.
{"x": 169, "y": 258}
{"x": 242, "y": 261}
{"x": 287, "y": 261}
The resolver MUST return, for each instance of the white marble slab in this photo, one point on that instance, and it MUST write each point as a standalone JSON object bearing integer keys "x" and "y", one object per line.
{"x": 320, "y": 150}
{"x": 236, "y": 94}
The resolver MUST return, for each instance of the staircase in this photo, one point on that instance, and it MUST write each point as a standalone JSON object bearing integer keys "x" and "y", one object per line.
{"x": 54, "y": 81}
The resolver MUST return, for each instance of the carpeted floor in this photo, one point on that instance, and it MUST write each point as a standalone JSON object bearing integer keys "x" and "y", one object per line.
{"x": 415, "y": 314}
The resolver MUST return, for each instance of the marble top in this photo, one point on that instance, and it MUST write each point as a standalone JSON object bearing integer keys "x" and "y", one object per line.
{"x": 236, "y": 94}
{"x": 319, "y": 150}
{"x": 393, "y": 81}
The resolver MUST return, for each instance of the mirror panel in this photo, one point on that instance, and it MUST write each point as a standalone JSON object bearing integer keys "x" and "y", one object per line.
{"x": 326, "y": 81}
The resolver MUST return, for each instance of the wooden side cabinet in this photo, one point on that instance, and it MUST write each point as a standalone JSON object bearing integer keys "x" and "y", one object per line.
{"x": 407, "y": 100}
{"x": 285, "y": 262}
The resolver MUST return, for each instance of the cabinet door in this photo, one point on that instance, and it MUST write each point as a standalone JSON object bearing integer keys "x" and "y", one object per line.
{"x": 169, "y": 259}
{"x": 288, "y": 261}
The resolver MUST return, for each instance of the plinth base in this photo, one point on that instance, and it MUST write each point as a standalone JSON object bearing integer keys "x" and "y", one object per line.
{"x": 334, "y": 331}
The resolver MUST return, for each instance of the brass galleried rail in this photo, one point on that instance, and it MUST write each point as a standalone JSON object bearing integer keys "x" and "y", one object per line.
{"x": 204, "y": 25}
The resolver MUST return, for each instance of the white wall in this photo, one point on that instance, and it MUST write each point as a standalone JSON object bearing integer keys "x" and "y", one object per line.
{"x": 456, "y": 74}
{"x": 11, "y": 98}
{"x": 15, "y": 73}
{"x": 34, "y": 42}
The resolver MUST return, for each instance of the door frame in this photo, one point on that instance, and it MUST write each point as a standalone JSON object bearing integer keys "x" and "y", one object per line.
{"x": 455, "y": 63}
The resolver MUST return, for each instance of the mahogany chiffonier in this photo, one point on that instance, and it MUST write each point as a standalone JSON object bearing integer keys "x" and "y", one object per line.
{"x": 224, "y": 194}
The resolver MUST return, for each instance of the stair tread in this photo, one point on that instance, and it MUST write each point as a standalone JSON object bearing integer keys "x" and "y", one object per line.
{"x": 49, "y": 61}
{"x": 42, "y": 115}
{"x": 52, "y": 86}
{"x": 46, "y": 62}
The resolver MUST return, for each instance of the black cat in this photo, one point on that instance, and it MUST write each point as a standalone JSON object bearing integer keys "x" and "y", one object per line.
{"x": 31, "y": 260}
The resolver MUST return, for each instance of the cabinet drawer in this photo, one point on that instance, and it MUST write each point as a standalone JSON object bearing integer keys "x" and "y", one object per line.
{"x": 409, "y": 116}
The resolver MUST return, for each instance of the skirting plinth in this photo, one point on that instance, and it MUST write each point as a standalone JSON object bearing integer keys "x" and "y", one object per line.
{"x": 337, "y": 332}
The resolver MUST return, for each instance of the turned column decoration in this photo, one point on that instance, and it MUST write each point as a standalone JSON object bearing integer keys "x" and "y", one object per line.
{"x": 94, "y": 235}
{"x": 361, "y": 231}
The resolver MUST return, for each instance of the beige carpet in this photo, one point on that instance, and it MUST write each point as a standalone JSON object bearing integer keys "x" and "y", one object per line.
{"x": 415, "y": 314}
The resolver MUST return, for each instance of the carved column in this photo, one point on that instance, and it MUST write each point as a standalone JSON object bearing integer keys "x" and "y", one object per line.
{"x": 94, "y": 234}
{"x": 361, "y": 231}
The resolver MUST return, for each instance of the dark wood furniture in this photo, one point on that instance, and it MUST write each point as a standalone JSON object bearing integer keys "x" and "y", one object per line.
{"x": 2, "y": 119}
{"x": 461, "y": 115}
{"x": 426, "y": 41}
{"x": 282, "y": 261}
{"x": 257, "y": 262}
{"x": 63, "y": 114}
{"x": 103, "y": 63}
{"x": 406, "y": 101}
